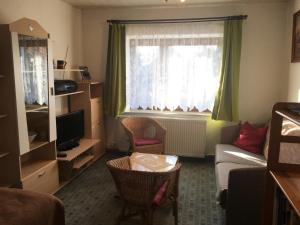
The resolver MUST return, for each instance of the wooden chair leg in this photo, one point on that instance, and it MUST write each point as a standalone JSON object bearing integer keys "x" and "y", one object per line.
{"x": 175, "y": 211}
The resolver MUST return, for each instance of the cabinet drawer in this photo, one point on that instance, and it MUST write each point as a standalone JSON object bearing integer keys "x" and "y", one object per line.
{"x": 44, "y": 180}
{"x": 96, "y": 110}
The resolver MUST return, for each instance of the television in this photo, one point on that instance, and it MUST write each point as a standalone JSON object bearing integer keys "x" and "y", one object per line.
{"x": 70, "y": 128}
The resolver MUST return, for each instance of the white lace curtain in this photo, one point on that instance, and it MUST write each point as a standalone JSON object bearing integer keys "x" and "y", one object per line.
{"x": 33, "y": 54}
{"x": 173, "y": 66}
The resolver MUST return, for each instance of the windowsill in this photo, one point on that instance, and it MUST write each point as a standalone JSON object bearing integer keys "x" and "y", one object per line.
{"x": 175, "y": 115}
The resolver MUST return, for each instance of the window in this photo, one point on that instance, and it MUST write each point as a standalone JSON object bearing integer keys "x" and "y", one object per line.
{"x": 173, "y": 67}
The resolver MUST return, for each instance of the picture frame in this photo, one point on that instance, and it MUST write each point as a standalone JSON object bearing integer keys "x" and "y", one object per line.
{"x": 296, "y": 38}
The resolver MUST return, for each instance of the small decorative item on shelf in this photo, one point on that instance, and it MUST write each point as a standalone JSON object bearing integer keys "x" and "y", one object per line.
{"x": 85, "y": 74}
{"x": 61, "y": 64}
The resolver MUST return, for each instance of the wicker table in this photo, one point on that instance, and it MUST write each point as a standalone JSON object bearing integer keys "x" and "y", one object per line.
{"x": 152, "y": 162}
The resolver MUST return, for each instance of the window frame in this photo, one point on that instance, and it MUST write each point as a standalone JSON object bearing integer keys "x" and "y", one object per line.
{"x": 200, "y": 41}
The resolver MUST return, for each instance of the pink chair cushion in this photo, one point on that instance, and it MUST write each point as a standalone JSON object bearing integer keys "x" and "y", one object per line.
{"x": 146, "y": 141}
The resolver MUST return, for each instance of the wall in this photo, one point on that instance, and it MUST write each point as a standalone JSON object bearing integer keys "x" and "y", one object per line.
{"x": 262, "y": 51}
{"x": 61, "y": 20}
{"x": 261, "y": 63}
{"x": 293, "y": 88}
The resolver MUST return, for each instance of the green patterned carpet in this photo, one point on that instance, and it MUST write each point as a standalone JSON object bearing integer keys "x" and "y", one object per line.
{"x": 90, "y": 198}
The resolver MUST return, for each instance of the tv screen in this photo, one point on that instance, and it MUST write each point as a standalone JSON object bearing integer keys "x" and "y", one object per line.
{"x": 70, "y": 128}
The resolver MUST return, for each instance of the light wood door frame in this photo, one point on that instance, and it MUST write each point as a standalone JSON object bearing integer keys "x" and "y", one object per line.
{"x": 51, "y": 95}
{"x": 20, "y": 103}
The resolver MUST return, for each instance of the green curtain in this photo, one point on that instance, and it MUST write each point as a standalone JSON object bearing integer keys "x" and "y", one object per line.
{"x": 115, "y": 83}
{"x": 226, "y": 101}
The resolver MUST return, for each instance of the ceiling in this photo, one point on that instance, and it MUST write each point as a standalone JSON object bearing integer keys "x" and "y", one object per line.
{"x": 136, "y": 3}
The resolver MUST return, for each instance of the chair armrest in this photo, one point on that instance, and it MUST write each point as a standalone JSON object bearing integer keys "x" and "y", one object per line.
{"x": 229, "y": 134}
{"x": 160, "y": 131}
{"x": 245, "y": 196}
{"x": 130, "y": 134}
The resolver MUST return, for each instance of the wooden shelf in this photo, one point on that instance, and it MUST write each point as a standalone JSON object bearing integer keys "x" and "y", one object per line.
{"x": 37, "y": 143}
{"x": 6, "y": 185}
{"x": 89, "y": 82}
{"x": 64, "y": 183}
{"x": 68, "y": 70}
{"x": 4, "y": 154}
{"x": 289, "y": 115}
{"x": 31, "y": 71}
{"x": 3, "y": 116}
{"x": 31, "y": 166}
{"x": 83, "y": 161}
{"x": 71, "y": 93}
{"x": 289, "y": 183}
{"x": 84, "y": 145}
{"x": 33, "y": 108}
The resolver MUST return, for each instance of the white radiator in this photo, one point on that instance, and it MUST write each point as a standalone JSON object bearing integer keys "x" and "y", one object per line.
{"x": 185, "y": 137}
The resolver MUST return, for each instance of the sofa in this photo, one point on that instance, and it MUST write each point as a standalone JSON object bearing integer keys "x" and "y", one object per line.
{"x": 240, "y": 180}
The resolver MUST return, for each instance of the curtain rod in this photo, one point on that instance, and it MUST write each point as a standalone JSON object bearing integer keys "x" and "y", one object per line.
{"x": 192, "y": 20}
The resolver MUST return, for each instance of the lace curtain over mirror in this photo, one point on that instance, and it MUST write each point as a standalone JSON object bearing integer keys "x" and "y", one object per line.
{"x": 173, "y": 67}
{"x": 33, "y": 55}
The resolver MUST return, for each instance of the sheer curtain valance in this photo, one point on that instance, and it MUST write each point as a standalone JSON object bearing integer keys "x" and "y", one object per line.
{"x": 173, "y": 66}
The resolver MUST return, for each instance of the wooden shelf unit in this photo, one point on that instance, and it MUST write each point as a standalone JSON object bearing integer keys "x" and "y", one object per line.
{"x": 84, "y": 145}
{"x": 91, "y": 101}
{"x": 34, "y": 166}
{"x": 20, "y": 165}
{"x": 37, "y": 144}
{"x": 9, "y": 160}
{"x": 68, "y": 70}
{"x": 34, "y": 108}
{"x": 68, "y": 94}
{"x": 76, "y": 159}
{"x": 83, "y": 162}
{"x": 281, "y": 176}
{"x": 90, "y": 82}
{"x": 289, "y": 183}
{"x": 91, "y": 147}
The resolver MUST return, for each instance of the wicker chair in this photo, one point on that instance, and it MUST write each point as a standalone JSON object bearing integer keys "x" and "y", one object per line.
{"x": 138, "y": 189}
{"x": 137, "y": 127}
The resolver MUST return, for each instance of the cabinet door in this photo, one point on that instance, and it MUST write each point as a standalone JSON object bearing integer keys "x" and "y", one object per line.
{"x": 33, "y": 64}
{"x": 20, "y": 104}
{"x": 52, "y": 112}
